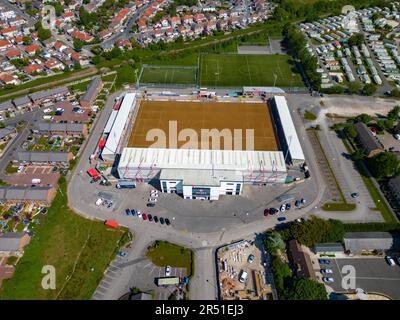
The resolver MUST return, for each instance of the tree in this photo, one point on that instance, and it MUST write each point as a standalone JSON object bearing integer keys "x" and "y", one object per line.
{"x": 335, "y": 231}
{"x": 26, "y": 40}
{"x": 384, "y": 165}
{"x": 310, "y": 232}
{"x": 350, "y": 131}
{"x": 305, "y": 289}
{"x": 273, "y": 241}
{"x": 356, "y": 39}
{"x": 394, "y": 113}
{"x": 365, "y": 118}
{"x": 358, "y": 155}
{"x": 354, "y": 87}
{"x": 78, "y": 44}
{"x": 281, "y": 272}
{"x": 369, "y": 89}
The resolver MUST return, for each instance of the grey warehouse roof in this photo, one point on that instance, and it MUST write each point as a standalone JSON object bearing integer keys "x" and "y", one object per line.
{"x": 6, "y": 105}
{"x": 62, "y": 127}
{"x": 24, "y": 193}
{"x": 88, "y": 96}
{"x": 42, "y": 156}
{"x": 10, "y": 241}
{"x": 328, "y": 247}
{"x": 48, "y": 93}
{"x": 369, "y": 142}
{"x": 21, "y": 101}
{"x": 369, "y": 241}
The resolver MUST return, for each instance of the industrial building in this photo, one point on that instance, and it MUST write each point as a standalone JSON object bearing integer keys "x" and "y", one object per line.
{"x": 192, "y": 171}
{"x": 359, "y": 242}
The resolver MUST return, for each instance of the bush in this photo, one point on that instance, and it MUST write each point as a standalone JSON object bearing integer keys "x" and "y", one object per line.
{"x": 305, "y": 289}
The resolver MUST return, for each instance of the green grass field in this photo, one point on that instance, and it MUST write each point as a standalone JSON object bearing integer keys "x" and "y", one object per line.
{"x": 168, "y": 254}
{"x": 79, "y": 249}
{"x": 169, "y": 75}
{"x": 233, "y": 70}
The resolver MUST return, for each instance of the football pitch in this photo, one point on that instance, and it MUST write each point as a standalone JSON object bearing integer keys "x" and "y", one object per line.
{"x": 234, "y": 70}
{"x": 169, "y": 75}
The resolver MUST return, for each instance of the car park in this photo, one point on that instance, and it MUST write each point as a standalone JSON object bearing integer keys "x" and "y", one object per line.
{"x": 390, "y": 261}
{"x": 327, "y": 280}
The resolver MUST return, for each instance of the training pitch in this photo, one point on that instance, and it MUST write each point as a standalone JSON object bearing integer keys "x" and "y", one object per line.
{"x": 204, "y": 115}
{"x": 234, "y": 70}
{"x": 166, "y": 75}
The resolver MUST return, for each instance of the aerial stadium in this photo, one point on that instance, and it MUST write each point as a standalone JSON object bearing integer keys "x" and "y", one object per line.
{"x": 168, "y": 143}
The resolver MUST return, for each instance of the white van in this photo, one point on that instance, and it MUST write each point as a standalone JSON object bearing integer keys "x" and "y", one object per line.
{"x": 48, "y": 118}
{"x": 390, "y": 261}
{"x": 243, "y": 276}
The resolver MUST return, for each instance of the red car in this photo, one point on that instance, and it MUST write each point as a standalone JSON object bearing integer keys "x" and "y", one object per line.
{"x": 266, "y": 212}
{"x": 144, "y": 216}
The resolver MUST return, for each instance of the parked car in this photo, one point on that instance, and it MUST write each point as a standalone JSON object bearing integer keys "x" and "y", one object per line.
{"x": 150, "y": 204}
{"x": 139, "y": 214}
{"x": 324, "y": 261}
{"x": 122, "y": 254}
{"x": 162, "y": 220}
{"x": 280, "y": 219}
{"x": 128, "y": 212}
{"x": 283, "y": 208}
{"x": 328, "y": 280}
{"x": 390, "y": 261}
{"x": 150, "y": 217}
{"x": 133, "y": 212}
{"x": 326, "y": 271}
{"x": 273, "y": 211}
{"x": 167, "y": 222}
{"x": 288, "y": 206}
{"x": 297, "y": 203}
{"x": 355, "y": 195}
{"x": 396, "y": 136}
{"x": 303, "y": 201}
{"x": 167, "y": 271}
{"x": 250, "y": 259}
{"x": 155, "y": 219}
{"x": 267, "y": 212}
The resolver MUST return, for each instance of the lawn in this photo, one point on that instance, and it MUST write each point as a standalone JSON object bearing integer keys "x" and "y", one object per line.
{"x": 309, "y": 115}
{"x": 79, "y": 249}
{"x": 233, "y": 70}
{"x": 169, "y": 75}
{"x": 163, "y": 253}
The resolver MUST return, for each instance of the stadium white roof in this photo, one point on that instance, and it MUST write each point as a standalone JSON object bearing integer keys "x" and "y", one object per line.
{"x": 119, "y": 124}
{"x": 203, "y": 159}
{"x": 110, "y": 121}
{"x": 292, "y": 140}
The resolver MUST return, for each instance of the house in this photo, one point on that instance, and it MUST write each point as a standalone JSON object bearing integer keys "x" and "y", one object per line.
{"x": 4, "y": 45}
{"x": 14, "y": 54}
{"x": 93, "y": 90}
{"x": 44, "y": 156}
{"x": 141, "y": 25}
{"x": 367, "y": 141}
{"x": 188, "y": 19}
{"x": 13, "y": 242}
{"x": 301, "y": 261}
{"x": 54, "y": 64}
{"x": 120, "y": 18}
{"x": 62, "y": 129}
{"x": 6, "y": 78}
{"x": 6, "y": 132}
{"x": 22, "y": 103}
{"x": 75, "y": 56}
{"x": 175, "y": 21}
{"x": 6, "y": 106}
{"x": 68, "y": 16}
{"x": 46, "y": 95}
{"x": 363, "y": 242}
{"x": 9, "y": 32}
{"x": 32, "y": 49}
{"x": 106, "y": 33}
{"x": 60, "y": 46}
{"x": 80, "y": 35}
{"x": 18, "y": 40}
{"x": 33, "y": 69}
{"x": 211, "y": 26}
{"x": 44, "y": 195}
{"x": 199, "y": 17}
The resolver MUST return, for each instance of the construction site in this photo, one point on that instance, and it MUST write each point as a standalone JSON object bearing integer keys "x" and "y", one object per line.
{"x": 242, "y": 273}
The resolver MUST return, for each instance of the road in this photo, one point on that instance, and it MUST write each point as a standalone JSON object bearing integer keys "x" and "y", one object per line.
{"x": 202, "y": 241}
{"x": 15, "y": 8}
